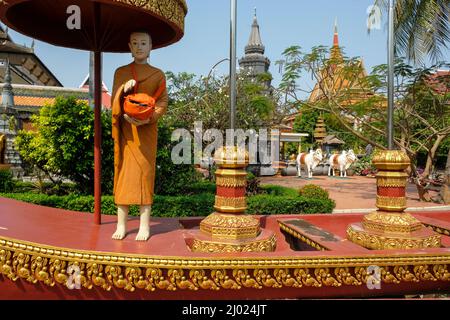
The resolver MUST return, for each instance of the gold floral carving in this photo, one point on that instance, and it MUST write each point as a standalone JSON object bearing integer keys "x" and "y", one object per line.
{"x": 230, "y": 204}
{"x": 390, "y": 160}
{"x": 231, "y": 157}
{"x": 391, "y": 241}
{"x": 263, "y": 245}
{"x": 391, "y": 179}
{"x": 391, "y": 222}
{"x": 48, "y": 265}
{"x": 172, "y": 10}
{"x": 228, "y": 226}
{"x": 439, "y": 230}
{"x": 391, "y": 203}
{"x": 227, "y": 181}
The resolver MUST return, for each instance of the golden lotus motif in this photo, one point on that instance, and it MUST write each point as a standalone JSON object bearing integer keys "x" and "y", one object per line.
{"x": 231, "y": 157}
{"x": 230, "y": 226}
{"x": 394, "y": 160}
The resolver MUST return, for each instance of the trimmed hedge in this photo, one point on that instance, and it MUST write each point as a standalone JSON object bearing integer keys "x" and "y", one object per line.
{"x": 270, "y": 204}
{"x": 183, "y": 206}
{"x": 279, "y": 190}
{"x": 163, "y": 206}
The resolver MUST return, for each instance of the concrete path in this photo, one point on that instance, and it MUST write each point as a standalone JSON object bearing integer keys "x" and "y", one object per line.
{"x": 354, "y": 192}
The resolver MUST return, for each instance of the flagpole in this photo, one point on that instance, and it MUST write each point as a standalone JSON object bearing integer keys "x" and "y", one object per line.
{"x": 233, "y": 64}
{"x": 390, "y": 120}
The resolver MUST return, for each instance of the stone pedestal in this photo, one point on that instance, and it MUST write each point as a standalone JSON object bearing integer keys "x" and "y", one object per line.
{"x": 389, "y": 227}
{"x": 228, "y": 229}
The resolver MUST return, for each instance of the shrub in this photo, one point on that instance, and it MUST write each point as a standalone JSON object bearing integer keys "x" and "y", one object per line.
{"x": 201, "y": 187}
{"x": 270, "y": 204}
{"x": 163, "y": 206}
{"x": 253, "y": 185}
{"x": 313, "y": 191}
{"x": 201, "y": 204}
{"x": 279, "y": 190}
{"x": 6, "y": 181}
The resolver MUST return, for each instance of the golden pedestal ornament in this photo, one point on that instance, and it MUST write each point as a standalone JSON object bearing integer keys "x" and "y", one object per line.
{"x": 389, "y": 227}
{"x": 228, "y": 229}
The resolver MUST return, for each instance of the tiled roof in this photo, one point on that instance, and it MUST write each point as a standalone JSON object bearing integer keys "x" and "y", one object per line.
{"x": 26, "y": 101}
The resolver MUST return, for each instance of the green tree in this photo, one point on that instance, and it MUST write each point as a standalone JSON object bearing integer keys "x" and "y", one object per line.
{"x": 63, "y": 144}
{"x": 420, "y": 113}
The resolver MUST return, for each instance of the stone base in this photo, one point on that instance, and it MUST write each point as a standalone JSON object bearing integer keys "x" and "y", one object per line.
{"x": 376, "y": 240}
{"x": 265, "y": 241}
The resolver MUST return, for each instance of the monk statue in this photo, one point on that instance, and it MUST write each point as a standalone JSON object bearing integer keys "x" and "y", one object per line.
{"x": 135, "y": 140}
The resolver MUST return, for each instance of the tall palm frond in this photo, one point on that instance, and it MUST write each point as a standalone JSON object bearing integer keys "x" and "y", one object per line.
{"x": 422, "y": 28}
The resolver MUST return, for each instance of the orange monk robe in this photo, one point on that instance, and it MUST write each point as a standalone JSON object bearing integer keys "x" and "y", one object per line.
{"x": 135, "y": 146}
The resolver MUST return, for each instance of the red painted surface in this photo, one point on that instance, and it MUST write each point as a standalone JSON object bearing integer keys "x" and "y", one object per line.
{"x": 75, "y": 230}
{"x": 391, "y": 191}
{"x": 230, "y": 192}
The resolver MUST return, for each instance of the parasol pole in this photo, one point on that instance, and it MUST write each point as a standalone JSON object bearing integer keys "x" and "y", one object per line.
{"x": 390, "y": 122}
{"x": 233, "y": 64}
{"x": 97, "y": 120}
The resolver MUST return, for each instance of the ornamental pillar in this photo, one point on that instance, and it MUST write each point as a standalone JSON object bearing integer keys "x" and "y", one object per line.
{"x": 229, "y": 229}
{"x": 390, "y": 227}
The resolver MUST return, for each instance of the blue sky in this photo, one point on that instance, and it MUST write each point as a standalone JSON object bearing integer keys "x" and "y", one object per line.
{"x": 206, "y": 41}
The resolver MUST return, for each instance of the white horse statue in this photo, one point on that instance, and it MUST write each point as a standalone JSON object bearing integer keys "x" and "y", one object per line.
{"x": 342, "y": 161}
{"x": 311, "y": 160}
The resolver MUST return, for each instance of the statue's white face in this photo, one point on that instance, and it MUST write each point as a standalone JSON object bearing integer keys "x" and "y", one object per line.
{"x": 140, "y": 46}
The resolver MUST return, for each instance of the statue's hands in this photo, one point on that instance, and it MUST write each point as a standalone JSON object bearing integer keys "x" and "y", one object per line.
{"x": 134, "y": 121}
{"x": 129, "y": 85}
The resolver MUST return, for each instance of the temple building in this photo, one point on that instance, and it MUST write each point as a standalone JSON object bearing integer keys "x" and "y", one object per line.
{"x": 254, "y": 62}
{"x": 26, "y": 86}
{"x": 332, "y": 80}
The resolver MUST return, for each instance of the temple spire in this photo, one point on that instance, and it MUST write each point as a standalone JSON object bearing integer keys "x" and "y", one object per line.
{"x": 336, "y": 35}
{"x": 336, "y": 50}
{"x": 254, "y": 62}
{"x": 254, "y": 42}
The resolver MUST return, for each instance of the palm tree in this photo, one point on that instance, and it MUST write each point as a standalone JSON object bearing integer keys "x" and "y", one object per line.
{"x": 422, "y": 28}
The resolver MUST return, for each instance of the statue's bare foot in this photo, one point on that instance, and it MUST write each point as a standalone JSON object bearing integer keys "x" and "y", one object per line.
{"x": 120, "y": 233}
{"x": 143, "y": 234}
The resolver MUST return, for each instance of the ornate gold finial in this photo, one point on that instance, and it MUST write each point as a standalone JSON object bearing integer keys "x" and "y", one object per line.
{"x": 231, "y": 157}
{"x": 389, "y": 227}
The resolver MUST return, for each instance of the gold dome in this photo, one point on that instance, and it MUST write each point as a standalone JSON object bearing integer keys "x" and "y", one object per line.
{"x": 391, "y": 160}
{"x": 231, "y": 157}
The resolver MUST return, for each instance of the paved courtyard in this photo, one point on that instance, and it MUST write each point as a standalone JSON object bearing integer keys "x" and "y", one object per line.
{"x": 354, "y": 192}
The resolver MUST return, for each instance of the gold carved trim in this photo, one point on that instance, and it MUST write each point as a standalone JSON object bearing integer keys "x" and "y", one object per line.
{"x": 391, "y": 222}
{"x": 47, "y": 265}
{"x": 263, "y": 245}
{"x": 391, "y": 179}
{"x": 302, "y": 237}
{"x": 231, "y": 182}
{"x": 391, "y": 203}
{"x": 391, "y": 241}
{"x": 227, "y": 226}
{"x": 393, "y": 160}
{"x": 172, "y": 10}
{"x": 440, "y": 230}
{"x": 225, "y": 204}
